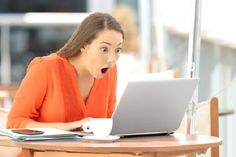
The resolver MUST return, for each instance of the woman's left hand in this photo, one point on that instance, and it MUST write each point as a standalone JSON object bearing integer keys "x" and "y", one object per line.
{"x": 77, "y": 125}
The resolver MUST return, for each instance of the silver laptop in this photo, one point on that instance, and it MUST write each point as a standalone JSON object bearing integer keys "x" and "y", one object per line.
{"x": 152, "y": 106}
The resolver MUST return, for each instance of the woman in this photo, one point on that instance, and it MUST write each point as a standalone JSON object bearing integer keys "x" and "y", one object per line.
{"x": 63, "y": 89}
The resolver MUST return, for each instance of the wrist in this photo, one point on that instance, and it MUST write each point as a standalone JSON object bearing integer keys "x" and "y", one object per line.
{"x": 68, "y": 126}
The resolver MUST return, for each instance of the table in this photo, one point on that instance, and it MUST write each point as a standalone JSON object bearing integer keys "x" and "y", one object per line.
{"x": 146, "y": 146}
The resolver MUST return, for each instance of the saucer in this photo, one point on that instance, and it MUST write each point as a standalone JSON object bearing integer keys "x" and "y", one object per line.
{"x": 91, "y": 138}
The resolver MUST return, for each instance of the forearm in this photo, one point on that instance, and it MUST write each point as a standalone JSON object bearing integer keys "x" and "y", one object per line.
{"x": 64, "y": 126}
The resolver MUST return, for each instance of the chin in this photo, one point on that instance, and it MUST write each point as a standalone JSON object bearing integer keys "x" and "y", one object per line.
{"x": 99, "y": 77}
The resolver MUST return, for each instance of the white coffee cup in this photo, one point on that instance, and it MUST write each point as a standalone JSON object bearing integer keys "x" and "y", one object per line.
{"x": 100, "y": 127}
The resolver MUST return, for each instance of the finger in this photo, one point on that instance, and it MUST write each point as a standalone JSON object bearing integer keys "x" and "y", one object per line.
{"x": 90, "y": 118}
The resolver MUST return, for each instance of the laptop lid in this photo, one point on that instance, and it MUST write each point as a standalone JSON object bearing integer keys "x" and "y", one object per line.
{"x": 152, "y": 106}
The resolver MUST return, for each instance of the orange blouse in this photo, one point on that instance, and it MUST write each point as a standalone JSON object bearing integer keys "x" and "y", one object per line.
{"x": 50, "y": 93}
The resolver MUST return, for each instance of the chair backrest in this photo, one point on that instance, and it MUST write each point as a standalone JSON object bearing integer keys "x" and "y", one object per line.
{"x": 207, "y": 122}
{"x": 215, "y": 124}
{"x": 7, "y": 92}
{"x": 6, "y": 151}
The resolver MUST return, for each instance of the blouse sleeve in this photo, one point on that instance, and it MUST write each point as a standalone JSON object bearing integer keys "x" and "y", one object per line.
{"x": 112, "y": 97}
{"x": 29, "y": 96}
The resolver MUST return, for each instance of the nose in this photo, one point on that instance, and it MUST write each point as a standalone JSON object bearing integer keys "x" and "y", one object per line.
{"x": 112, "y": 58}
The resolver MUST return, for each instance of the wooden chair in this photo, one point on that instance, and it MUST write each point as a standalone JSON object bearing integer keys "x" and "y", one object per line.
{"x": 207, "y": 122}
{"x": 6, "y": 151}
{"x": 7, "y": 92}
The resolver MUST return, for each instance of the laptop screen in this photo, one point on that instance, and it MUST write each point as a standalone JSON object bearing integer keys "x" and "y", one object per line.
{"x": 152, "y": 106}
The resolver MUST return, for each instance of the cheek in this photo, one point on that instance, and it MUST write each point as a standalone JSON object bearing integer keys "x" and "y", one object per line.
{"x": 96, "y": 60}
{"x": 117, "y": 56}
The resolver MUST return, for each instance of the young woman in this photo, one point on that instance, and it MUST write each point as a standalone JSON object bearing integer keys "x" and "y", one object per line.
{"x": 62, "y": 90}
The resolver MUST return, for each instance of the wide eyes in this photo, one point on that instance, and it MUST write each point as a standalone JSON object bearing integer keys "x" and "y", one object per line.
{"x": 118, "y": 50}
{"x": 105, "y": 49}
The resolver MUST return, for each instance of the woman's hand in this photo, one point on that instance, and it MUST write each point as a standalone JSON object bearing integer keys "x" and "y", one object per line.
{"x": 77, "y": 125}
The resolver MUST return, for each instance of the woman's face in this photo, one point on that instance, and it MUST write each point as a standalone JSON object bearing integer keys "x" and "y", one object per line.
{"x": 102, "y": 53}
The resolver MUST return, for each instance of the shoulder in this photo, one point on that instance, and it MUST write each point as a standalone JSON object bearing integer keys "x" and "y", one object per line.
{"x": 46, "y": 62}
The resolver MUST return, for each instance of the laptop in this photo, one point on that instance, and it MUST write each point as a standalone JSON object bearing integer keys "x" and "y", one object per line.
{"x": 152, "y": 106}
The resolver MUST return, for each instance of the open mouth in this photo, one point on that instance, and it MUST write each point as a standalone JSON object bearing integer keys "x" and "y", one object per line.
{"x": 104, "y": 70}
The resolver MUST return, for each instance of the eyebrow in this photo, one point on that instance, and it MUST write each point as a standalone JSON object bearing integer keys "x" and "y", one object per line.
{"x": 110, "y": 43}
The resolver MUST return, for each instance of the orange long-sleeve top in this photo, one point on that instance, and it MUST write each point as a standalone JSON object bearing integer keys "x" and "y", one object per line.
{"x": 49, "y": 92}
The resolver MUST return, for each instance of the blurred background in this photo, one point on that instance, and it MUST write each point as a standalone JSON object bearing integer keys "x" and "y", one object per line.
{"x": 158, "y": 35}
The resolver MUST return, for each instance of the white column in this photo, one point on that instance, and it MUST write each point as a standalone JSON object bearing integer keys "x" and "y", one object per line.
{"x": 159, "y": 34}
{"x": 145, "y": 28}
{"x": 193, "y": 62}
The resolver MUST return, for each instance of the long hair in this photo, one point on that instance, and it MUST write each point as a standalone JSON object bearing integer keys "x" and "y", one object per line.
{"x": 87, "y": 31}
